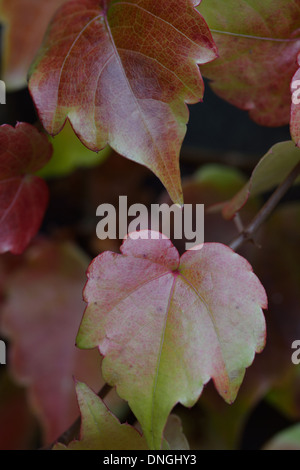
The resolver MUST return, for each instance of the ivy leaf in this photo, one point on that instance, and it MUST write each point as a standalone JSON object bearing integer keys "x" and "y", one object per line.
{"x": 122, "y": 72}
{"x": 167, "y": 325}
{"x": 271, "y": 170}
{"x": 40, "y": 317}
{"x": 23, "y": 196}
{"x": 258, "y": 43}
{"x": 100, "y": 429}
{"x": 295, "y": 111}
{"x": 25, "y": 23}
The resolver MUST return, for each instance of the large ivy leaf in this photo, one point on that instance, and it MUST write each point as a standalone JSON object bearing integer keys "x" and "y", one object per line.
{"x": 121, "y": 72}
{"x": 25, "y": 23}
{"x": 258, "y": 43}
{"x": 270, "y": 171}
{"x": 295, "y": 112}
{"x": 167, "y": 325}
{"x": 40, "y": 317}
{"x": 23, "y": 196}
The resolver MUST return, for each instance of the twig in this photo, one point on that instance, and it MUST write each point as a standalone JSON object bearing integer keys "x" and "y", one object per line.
{"x": 266, "y": 210}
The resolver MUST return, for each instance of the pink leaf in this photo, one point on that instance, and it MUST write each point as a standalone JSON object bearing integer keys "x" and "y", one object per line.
{"x": 167, "y": 325}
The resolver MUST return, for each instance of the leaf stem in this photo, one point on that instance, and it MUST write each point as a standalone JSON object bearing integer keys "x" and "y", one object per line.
{"x": 266, "y": 210}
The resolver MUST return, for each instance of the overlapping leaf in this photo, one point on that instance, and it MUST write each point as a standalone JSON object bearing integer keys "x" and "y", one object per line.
{"x": 258, "y": 43}
{"x": 167, "y": 325}
{"x": 100, "y": 429}
{"x": 40, "y": 317}
{"x": 25, "y": 23}
{"x": 23, "y": 196}
{"x": 122, "y": 72}
{"x": 271, "y": 170}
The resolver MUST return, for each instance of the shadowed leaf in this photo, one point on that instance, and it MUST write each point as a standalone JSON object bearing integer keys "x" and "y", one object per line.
{"x": 69, "y": 153}
{"x": 23, "y": 196}
{"x": 40, "y": 317}
{"x": 289, "y": 439}
{"x": 271, "y": 170}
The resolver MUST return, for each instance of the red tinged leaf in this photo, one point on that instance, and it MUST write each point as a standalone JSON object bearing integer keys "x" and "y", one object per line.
{"x": 295, "y": 111}
{"x": 40, "y": 318}
{"x": 23, "y": 196}
{"x": 166, "y": 325}
{"x": 25, "y": 23}
{"x": 258, "y": 43}
{"x": 122, "y": 72}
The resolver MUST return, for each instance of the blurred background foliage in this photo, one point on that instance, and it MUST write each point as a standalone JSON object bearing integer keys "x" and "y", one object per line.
{"x": 221, "y": 148}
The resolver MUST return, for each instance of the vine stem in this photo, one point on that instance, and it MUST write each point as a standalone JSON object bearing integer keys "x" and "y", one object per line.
{"x": 266, "y": 210}
{"x": 73, "y": 431}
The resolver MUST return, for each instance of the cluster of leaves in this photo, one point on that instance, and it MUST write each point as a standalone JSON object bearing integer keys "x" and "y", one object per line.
{"x": 119, "y": 75}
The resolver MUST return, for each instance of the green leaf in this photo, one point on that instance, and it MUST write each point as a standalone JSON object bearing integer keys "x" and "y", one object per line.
{"x": 289, "y": 439}
{"x": 121, "y": 72}
{"x": 100, "y": 429}
{"x": 69, "y": 153}
{"x": 258, "y": 43}
{"x": 271, "y": 170}
{"x": 167, "y": 325}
